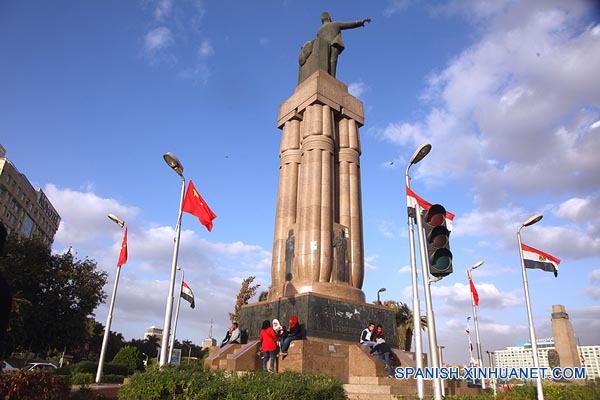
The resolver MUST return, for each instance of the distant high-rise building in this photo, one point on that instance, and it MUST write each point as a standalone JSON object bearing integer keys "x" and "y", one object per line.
{"x": 25, "y": 211}
{"x": 209, "y": 341}
{"x": 521, "y": 356}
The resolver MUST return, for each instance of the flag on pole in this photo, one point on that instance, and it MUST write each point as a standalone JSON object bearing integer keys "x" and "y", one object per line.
{"x": 473, "y": 290}
{"x": 194, "y": 204}
{"x": 412, "y": 199}
{"x": 537, "y": 259}
{"x": 187, "y": 294}
{"x": 123, "y": 254}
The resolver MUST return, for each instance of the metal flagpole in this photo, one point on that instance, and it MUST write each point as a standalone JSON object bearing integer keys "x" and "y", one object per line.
{"x": 534, "y": 348}
{"x": 174, "y": 163}
{"x": 176, "y": 316}
{"x": 113, "y": 297}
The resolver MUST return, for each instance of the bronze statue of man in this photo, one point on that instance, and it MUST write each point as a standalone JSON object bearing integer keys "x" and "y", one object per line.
{"x": 329, "y": 38}
{"x": 331, "y": 32}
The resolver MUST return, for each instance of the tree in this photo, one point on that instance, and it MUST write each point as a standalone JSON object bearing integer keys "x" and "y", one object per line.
{"x": 263, "y": 296}
{"x": 131, "y": 358}
{"x": 245, "y": 294}
{"x": 404, "y": 323}
{"x": 56, "y": 295}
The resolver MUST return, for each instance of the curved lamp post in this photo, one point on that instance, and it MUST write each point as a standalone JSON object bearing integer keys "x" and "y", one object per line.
{"x": 478, "y": 341}
{"x": 418, "y": 155}
{"x": 121, "y": 223}
{"x": 536, "y": 360}
{"x": 173, "y": 162}
{"x": 176, "y": 315}
{"x": 379, "y": 291}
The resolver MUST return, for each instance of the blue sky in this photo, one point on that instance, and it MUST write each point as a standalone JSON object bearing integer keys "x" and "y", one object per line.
{"x": 93, "y": 93}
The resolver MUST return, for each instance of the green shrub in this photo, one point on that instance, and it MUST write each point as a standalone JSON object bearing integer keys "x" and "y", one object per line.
{"x": 33, "y": 385}
{"x": 196, "y": 382}
{"x": 112, "y": 378}
{"x": 82, "y": 378}
{"x": 130, "y": 357}
{"x": 87, "y": 367}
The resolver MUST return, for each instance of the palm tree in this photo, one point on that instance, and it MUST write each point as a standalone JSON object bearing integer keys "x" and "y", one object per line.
{"x": 404, "y": 323}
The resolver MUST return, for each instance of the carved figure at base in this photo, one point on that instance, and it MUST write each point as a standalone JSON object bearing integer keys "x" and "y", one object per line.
{"x": 553, "y": 359}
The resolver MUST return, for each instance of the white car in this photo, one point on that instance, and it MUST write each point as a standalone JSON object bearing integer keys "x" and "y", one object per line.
{"x": 40, "y": 367}
{"x": 7, "y": 367}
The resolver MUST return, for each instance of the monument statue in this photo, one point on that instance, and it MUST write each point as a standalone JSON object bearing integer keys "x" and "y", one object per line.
{"x": 323, "y": 51}
{"x": 553, "y": 359}
{"x": 340, "y": 245}
{"x": 289, "y": 255}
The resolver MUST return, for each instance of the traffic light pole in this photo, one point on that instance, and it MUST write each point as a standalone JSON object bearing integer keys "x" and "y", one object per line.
{"x": 433, "y": 346}
{"x": 415, "y": 302}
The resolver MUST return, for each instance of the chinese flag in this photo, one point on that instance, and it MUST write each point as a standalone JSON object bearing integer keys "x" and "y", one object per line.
{"x": 123, "y": 254}
{"x": 473, "y": 290}
{"x": 194, "y": 204}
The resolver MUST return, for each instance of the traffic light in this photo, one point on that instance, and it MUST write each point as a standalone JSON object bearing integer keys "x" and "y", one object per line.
{"x": 438, "y": 244}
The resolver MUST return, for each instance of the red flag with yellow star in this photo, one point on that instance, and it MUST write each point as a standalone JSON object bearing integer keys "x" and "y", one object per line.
{"x": 194, "y": 204}
{"x": 123, "y": 253}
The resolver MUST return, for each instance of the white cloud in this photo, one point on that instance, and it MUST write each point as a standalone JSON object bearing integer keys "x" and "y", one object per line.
{"x": 370, "y": 263}
{"x": 356, "y": 89}
{"x": 396, "y": 6}
{"x": 405, "y": 270}
{"x": 84, "y": 214}
{"x": 157, "y": 39}
{"x": 163, "y": 9}
{"x": 214, "y": 270}
{"x": 205, "y": 49}
{"x": 595, "y": 275}
{"x": 520, "y": 101}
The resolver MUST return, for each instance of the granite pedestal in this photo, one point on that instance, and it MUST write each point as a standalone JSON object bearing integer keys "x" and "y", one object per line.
{"x": 321, "y": 317}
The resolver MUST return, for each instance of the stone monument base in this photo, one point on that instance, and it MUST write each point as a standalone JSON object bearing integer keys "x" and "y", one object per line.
{"x": 321, "y": 316}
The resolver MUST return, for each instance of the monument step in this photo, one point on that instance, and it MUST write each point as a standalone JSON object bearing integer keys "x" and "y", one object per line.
{"x": 368, "y": 389}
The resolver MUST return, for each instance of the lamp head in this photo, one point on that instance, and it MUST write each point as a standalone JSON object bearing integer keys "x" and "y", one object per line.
{"x": 532, "y": 220}
{"x": 420, "y": 153}
{"x": 477, "y": 264}
{"x": 382, "y": 290}
{"x": 173, "y": 162}
{"x": 116, "y": 220}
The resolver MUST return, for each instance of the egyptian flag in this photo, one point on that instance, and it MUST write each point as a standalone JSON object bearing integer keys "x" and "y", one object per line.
{"x": 535, "y": 258}
{"x": 473, "y": 290}
{"x": 412, "y": 199}
{"x": 187, "y": 294}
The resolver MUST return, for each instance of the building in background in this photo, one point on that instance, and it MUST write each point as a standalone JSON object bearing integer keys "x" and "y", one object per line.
{"x": 520, "y": 356}
{"x": 209, "y": 341}
{"x": 24, "y": 210}
{"x": 153, "y": 331}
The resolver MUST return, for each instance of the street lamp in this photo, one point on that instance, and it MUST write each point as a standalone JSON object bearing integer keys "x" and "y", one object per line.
{"x": 176, "y": 315}
{"x": 121, "y": 223}
{"x": 478, "y": 341}
{"x": 413, "y": 212}
{"x": 379, "y": 291}
{"x": 536, "y": 361}
{"x": 491, "y": 361}
{"x": 173, "y": 162}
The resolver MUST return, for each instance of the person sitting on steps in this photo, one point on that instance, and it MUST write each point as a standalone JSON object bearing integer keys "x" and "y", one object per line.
{"x": 294, "y": 332}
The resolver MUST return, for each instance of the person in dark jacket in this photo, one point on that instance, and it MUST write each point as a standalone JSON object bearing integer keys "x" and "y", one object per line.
{"x": 383, "y": 350}
{"x": 294, "y": 332}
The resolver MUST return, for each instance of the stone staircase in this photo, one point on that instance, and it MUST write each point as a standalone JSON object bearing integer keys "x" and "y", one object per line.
{"x": 363, "y": 375}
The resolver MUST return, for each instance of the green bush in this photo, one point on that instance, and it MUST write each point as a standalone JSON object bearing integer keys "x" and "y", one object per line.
{"x": 130, "y": 357}
{"x": 196, "y": 382}
{"x": 33, "y": 385}
{"x": 82, "y": 378}
{"x": 112, "y": 378}
{"x": 87, "y": 367}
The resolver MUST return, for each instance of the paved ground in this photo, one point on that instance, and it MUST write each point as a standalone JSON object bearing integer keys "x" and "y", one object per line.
{"x": 109, "y": 390}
